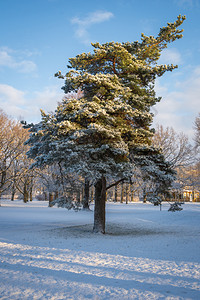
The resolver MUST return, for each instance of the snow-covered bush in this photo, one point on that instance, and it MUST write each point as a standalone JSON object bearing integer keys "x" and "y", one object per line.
{"x": 66, "y": 202}
{"x": 176, "y": 206}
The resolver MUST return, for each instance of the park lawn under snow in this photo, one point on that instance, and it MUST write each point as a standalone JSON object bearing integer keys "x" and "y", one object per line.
{"x": 51, "y": 253}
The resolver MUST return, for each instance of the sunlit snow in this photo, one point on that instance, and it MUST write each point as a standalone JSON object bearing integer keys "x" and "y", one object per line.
{"x": 51, "y": 253}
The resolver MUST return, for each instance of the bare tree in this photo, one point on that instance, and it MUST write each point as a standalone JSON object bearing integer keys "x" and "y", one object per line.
{"x": 175, "y": 146}
{"x": 197, "y": 132}
{"x": 15, "y": 174}
{"x": 12, "y": 138}
{"x": 182, "y": 155}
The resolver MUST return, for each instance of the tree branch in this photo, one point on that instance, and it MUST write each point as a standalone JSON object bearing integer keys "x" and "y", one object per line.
{"x": 115, "y": 183}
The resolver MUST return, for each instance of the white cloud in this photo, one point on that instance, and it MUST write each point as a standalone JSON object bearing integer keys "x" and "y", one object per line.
{"x": 8, "y": 92}
{"x": 187, "y": 3}
{"x": 25, "y": 66}
{"x": 170, "y": 56}
{"x": 48, "y": 98}
{"x": 7, "y": 59}
{"x": 85, "y": 23}
{"x": 21, "y": 105}
{"x": 179, "y": 108}
{"x": 93, "y": 18}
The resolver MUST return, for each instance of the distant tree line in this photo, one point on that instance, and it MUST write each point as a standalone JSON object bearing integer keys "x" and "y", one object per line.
{"x": 18, "y": 178}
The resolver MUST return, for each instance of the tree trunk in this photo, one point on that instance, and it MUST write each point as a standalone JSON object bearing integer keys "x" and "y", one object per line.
{"x": 122, "y": 192}
{"x": 86, "y": 195}
{"x": 25, "y": 193}
{"x": 31, "y": 188}
{"x": 31, "y": 194}
{"x": 25, "y": 197}
{"x": 144, "y": 195}
{"x": 45, "y": 196}
{"x": 50, "y": 199}
{"x": 100, "y": 205}
{"x": 116, "y": 190}
{"x": 78, "y": 196}
{"x": 13, "y": 194}
{"x": 3, "y": 173}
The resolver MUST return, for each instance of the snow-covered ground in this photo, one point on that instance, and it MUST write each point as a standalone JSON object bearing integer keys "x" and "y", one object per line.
{"x": 51, "y": 253}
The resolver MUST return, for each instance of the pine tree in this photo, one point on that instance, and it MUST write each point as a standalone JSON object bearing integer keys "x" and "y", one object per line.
{"x": 101, "y": 134}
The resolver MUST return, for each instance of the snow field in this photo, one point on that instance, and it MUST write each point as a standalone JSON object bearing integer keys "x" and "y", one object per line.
{"x": 51, "y": 253}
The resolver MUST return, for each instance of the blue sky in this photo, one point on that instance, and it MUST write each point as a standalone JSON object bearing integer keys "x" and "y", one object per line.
{"x": 39, "y": 36}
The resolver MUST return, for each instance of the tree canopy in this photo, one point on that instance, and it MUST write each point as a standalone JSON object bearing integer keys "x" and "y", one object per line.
{"x": 106, "y": 132}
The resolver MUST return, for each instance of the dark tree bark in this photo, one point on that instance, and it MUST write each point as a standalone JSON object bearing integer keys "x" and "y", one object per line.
{"x": 45, "y": 196}
{"x": 31, "y": 193}
{"x": 122, "y": 192}
{"x": 25, "y": 193}
{"x": 100, "y": 205}
{"x": 86, "y": 195}
{"x": 78, "y": 196}
{"x": 116, "y": 194}
{"x": 12, "y": 195}
{"x": 3, "y": 174}
{"x": 50, "y": 199}
{"x": 144, "y": 195}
